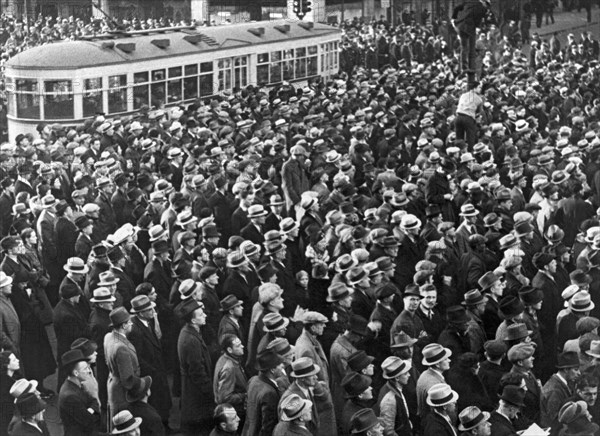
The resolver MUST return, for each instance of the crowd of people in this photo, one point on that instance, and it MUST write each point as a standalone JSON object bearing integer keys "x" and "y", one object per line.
{"x": 402, "y": 249}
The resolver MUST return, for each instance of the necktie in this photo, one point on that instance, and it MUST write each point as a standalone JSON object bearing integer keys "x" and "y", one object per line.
{"x": 405, "y": 408}
{"x": 157, "y": 330}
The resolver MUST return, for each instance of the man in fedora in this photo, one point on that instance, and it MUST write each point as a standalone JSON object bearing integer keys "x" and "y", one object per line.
{"x": 475, "y": 304}
{"x": 575, "y": 419}
{"x": 237, "y": 282}
{"x": 304, "y": 372}
{"x": 521, "y": 357}
{"x": 434, "y": 219}
{"x": 124, "y": 423}
{"x": 30, "y": 409}
{"x": 408, "y": 321}
{"x": 473, "y": 264}
{"x": 359, "y": 394}
{"x": 45, "y": 229}
{"x": 70, "y": 320}
{"x": 455, "y": 336}
{"x": 509, "y": 406}
{"x": 580, "y": 305}
{"x": 197, "y": 399}
{"x": 513, "y": 311}
{"x": 230, "y": 323}
{"x": 254, "y": 230}
{"x": 125, "y": 285}
{"x": 122, "y": 360}
{"x": 107, "y": 220}
{"x": 442, "y": 401}
{"x": 296, "y": 414}
{"x": 79, "y": 411}
{"x": 263, "y": 396}
{"x": 84, "y": 243}
{"x": 308, "y": 345}
{"x": 467, "y": 227}
{"x": 474, "y": 422}
{"x": 137, "y": 397}
{"x": 493, "y": 368}
{"x": 365, "y": 423}
{"x": 276, "y": 216}
{"x": 557, "y": 389}
{"x": 437, "y": 359}
{"x": 392, "y": 401}
{"x": 230, "y": 382}
{"x": 148, "y": 347}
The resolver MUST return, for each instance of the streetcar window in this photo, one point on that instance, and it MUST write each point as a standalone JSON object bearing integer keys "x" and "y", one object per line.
{"x": 158, "y": 75}
{"x": 263, "y": 57}
{"x": 233, "y": 73}
{"x": 27, "y": 99}
{"x": 262, "y": 74}
{"x": 191, "y": 70}
{"x": 206, "y": 85}
{"x": 275, "y": 56}
{"x": 312, "y": 50}
{"x": 140, "y": 77}
{"x": 141, "y": 96}
{"x": 175, "y": 72}
{"x": 117, "y": 93}
{"x": 58, "y": 100}
{"x": 205, "y": 67}
{"x": 190, "y": 88}
{"x": 300, "y": 52}
{"x": 92, "y": 96}
{"x": 174, "y": 90}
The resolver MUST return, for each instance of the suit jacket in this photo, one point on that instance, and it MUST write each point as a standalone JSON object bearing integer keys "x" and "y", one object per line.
{"x": 501, "y": 426}
{"x": 221, "y": 206}
{"x": 124, "y": 368}
{"x": 66, "y": 233}
{"x": 47, "y": 236}
{"x": 339, "y": 353}
{"x": 83, "y": 246}
{"x": 230, "y": 383}
{"x": 555, "y": 394}
{"x": 197, "y": 400}
{"x": 150, "y": 357}
{"x": 436, "y": 424}
{"x": 73, "y": 405}
{"x": 285, "y": 428}
{"x": 84, "y": 304}
{"x": 7, "y": 200}
{"x": 159, "y": 275}
{"x": 125, "y": 287}
{"x": 21, "y": 428}
{"x": 228, "y": 326}
{"x": 152, "y": 424}
{"x": 118, "y": 201}
{"x": 251, "y": 233}
{"x": 313, "y": 425}
{"x": 307, "y": 345}
{"x": 70, "y": 323}
{"x": 10, "y": 336}
{"x": 394, "y": 412}
{"x": 261, "y": 414}
{"x": 107, "y": 221}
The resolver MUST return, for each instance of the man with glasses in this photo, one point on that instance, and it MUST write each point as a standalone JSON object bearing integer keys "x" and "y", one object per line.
{"x": 145, "y": 337}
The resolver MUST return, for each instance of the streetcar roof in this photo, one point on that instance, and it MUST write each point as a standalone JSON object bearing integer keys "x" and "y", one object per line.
{"x": 120, "y": 47}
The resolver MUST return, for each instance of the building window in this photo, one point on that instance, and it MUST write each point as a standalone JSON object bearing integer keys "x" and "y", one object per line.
{"x": 141, "y": 89}
{"x": 292, "y": 64}
{"x": 117, "y": 94}
{"x": 58, "y": 100}
{"x": 27, "y": 99}
{"x": 92, "y": 96}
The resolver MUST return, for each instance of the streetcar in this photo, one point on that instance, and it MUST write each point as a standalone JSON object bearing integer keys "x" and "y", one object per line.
{"x": 120, "y": 72}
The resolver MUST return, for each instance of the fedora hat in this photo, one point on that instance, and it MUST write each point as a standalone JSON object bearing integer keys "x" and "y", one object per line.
{"x": 304, "y": 367}
{"x": 276, "y": 200}
{"x": 187, "y": 288}
{"x": 210, "y": 231}
{"x": 5, "y": 280}
{"x": 554, "y": 234}
{"x": 139, "y": 389}
{"x": 267, "y": 360}
{"x": 71, "y": 357}
{"x": 160, "y": 247}
{"x": 594, "y": 350}
{"x": 530, "y": 295}
{"x": 581, "y": 302}
{"x": 363, "y": 421}
{"x": 236, "y": 259}
{"x": 487, "y": 280}
{"x": 87, "y": 346}
{"x": 124, "y": 422}
{"x": 434, "y": 354}
{"x": 274, "y": 321}
{"x": 471, "y": 417}
{"x": 568, "y": 359}
{"x": 287, "y": 225}
{"x": 355, "y": 384}
{"x": 108, "y": 278}
{"x": 473, "y": 298}
{"x": 518, "y": 331}
{"x": 229, "y": 302}
{"x": 457, "y": 315}
{"x": 409, "y": 222}
{"x": 441, "y": 394}
{"x": 401, "y": 339}
{"x": 393, "y": 367}
{"x": 119, "y": 316}
{"x": 513, "y": 395}
{"x": 82, "y": 221}
{"x": 508, "y": 241}
{"x": 29, "y": 405}
{"x": 20, "y": 209}
{"x": 257, "y": 211}
{"x": 76, "y": 265}
{"x": 355, "y": 275}
{"x": 292, "y": 407}
{"x": 468, "y": 210}
{"x": 337, "y": 291}
{"x": 359, "y": 360}
{"x": 490, "y": 219}
{"x": 140, "y": 303}
{"x": 49, "y": 201}
{"x": 511, "y": 306}
{"x": 186, "y": 217}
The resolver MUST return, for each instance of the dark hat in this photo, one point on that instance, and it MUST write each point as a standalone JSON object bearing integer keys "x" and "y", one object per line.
{"x": 140, "y": 303}
{"x": 401, "y": 340}
{"x": 119, "y": 316}
{"x": 9, "y": 242}
{"x": 530, "y": 295}
{"x": 100, "y": 250}
{"x": 516, "y": 332}
{"x": 513, "y": 395}
{"x": 115, "y": 254}
{"x": 473, "y": 298}
{"x": 61, "y": 206}
{"x": 568, "y": 359}
{"x": 210, "y": 231}
{"x": 139, "y": 389}
{"x": 29, "y": 405}
{"x": 87, "y": 346}
{"x": 457, "y": 315}
{"x": 186, "y": 307}
{"x": 363, "y": 421}
{"x": 385, "y": 291}
{"x": 432, "y": 211}
{"x": 206, "y": 272}
{"x": 71, "y": 357}
{"x": 160, "y": 247}
{"x": 355, "y": 384}
{"x": 229, "y": 302}
{"x": 541, "y": 259}
{"x": 511, "y": 306}
{"x": 495, "y": 348}
{"x": 268, "y": 360}
{"x": 337, "y": 291}
{"x": 82, "y": 222}
{"x": 358, "y": 325}
{"x": 359, "y": 360}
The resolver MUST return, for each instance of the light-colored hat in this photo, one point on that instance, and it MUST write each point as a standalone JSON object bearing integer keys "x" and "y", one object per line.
{"x": 441, "y": 394}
